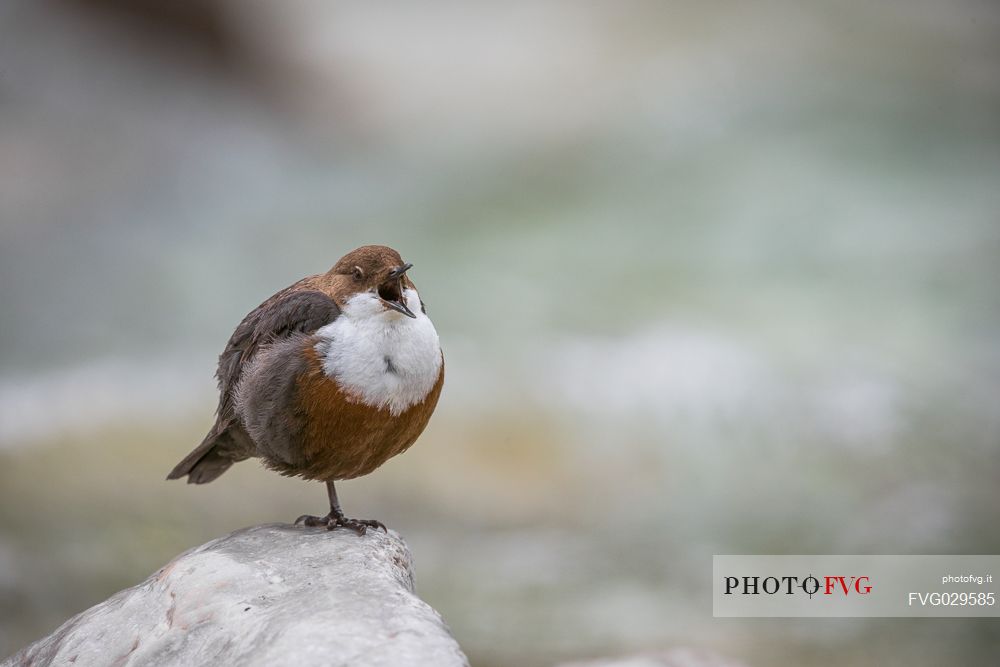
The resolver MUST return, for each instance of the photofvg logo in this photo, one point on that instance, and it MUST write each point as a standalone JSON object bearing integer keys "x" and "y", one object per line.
{"x": 789, "y": 585}
{"x": 854, "y": 586}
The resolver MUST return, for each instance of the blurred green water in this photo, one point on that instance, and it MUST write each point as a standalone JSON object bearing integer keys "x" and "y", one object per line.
{"x": 743, "y": 302}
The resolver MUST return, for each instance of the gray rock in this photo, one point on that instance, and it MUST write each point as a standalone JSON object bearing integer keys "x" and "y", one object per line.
{"x": 268, "y": 595}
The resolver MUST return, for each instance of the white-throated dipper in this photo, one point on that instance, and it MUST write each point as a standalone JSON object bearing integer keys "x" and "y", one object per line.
{"x": 326, "y": 380}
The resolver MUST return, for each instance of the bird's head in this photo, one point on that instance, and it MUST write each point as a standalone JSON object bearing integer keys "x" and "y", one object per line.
{"x": 378, "y": 272}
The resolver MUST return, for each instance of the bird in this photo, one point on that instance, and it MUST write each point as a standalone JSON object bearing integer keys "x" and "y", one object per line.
{"x": 326, "y": 380}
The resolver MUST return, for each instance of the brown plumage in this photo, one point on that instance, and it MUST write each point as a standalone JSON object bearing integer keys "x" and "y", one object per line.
{"x": 365, "y": 436}
{"x": 327, "y": 379}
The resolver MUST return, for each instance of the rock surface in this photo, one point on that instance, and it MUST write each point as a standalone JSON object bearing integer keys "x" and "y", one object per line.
{"x": 268, "y": 595}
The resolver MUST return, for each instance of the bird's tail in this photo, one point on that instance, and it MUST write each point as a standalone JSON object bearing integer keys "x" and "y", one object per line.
{"x": 208, "y": 460}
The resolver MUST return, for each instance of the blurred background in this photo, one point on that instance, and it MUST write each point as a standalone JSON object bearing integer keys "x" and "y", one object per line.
{"x": 710, "y": 278}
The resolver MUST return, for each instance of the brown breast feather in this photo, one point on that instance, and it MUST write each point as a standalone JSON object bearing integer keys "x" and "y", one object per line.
{"x": 344, "y": 438}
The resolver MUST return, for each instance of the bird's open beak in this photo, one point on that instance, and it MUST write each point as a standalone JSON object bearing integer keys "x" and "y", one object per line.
{"x": 391, "y": 291}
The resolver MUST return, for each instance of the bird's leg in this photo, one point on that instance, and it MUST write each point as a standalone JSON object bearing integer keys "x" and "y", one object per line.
{"x": 336, "y": 516}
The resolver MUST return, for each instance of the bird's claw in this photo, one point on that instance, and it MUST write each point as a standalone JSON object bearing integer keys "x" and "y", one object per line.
{"x": 360, "y": 526}
{"x": 311, "y": 521}
{"x": 332, "y": 521}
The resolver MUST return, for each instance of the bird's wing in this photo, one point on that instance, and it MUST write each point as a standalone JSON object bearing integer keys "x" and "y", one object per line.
{"x": 293, "y": 310}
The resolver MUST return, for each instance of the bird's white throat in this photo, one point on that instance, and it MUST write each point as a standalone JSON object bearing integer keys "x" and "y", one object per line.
{"x": 381, "y": 357}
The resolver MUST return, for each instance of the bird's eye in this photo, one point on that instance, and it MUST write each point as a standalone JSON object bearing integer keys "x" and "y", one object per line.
{"x": 358, "y": 273}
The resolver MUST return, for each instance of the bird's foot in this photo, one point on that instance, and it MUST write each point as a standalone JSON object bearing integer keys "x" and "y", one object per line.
{"x": 332, "y": 521}
{"x": 360, "y": 526}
